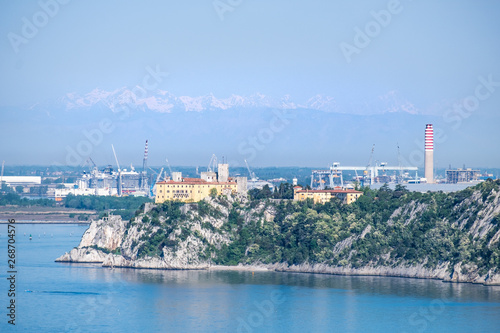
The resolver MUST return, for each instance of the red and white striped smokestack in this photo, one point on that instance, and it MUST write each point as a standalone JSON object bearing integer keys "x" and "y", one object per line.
{"x": 145, "y": 159}
{"x": 429, "y": 153}
{"x": 429, "y": 137}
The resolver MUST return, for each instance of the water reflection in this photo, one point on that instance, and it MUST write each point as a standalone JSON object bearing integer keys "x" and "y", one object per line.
{"x": 403, "y": 287}
{"x": 118, "y": 300}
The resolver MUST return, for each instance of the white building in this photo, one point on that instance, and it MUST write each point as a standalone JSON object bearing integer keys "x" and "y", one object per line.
{"x": 13, "y": 181}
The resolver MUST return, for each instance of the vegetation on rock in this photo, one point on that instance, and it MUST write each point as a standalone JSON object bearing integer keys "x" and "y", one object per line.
{"x": 382, "y": 228}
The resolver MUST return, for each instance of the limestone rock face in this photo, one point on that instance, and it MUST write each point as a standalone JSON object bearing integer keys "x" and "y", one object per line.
{"x": 114, "y": 243}
{"x": 105, "y": 233}
{"x": 492, "y": 279}
{"x": 84, "y": 255}
{"x": 418, "y": 271}
{"x": 149, "y": 262}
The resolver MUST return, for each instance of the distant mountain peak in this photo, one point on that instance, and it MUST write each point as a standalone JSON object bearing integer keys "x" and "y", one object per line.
{"x": 163, "y": 101}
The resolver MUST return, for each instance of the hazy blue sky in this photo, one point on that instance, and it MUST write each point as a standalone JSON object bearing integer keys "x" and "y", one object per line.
{"x": 431, "y": 53}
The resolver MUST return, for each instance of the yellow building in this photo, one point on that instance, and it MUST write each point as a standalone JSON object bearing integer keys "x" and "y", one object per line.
{"x": 191, "y": 189}
{"x": 322, "y": 196}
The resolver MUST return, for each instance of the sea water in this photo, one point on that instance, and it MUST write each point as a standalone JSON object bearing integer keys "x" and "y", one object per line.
{"x": 62, "y": 297}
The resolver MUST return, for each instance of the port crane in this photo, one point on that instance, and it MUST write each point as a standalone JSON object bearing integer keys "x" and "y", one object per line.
{"x": 116, "y": 159}
{"x": 169, "y": 168}
{"x": 370, "y": 171}
{"x": 400, "y": 177}
{"x": 252, "y": 174}
{"x": 92, "y": 161}
{"x": 119, "y": 173}
{"x": 369, "y": 165}
{"x": 212, "y": 165}
{"x": 152, "y": 190}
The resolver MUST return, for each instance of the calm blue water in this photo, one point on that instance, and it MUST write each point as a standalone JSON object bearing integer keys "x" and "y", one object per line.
{"x": 88, "y": 298}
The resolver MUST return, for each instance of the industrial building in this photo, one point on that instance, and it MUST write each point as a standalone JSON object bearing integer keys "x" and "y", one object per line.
{"x": 14, "y": 181}
{"x": 196, "y": 189}
{"x": 321, "y": 179}
{"x": 120, "y": 182}
{"x": 322, "y": 196}
{"x": 462, "y": 176}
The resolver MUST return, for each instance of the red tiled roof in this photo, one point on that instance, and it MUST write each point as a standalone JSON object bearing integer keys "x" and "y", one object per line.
{"x": 328, "y": 191}
{"x": 195, "y": 181}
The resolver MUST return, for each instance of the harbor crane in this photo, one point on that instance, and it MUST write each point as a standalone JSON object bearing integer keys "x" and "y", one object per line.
{"x": 159, "y": 176}
{"x": 212, "y": 165}
{"x": 252, "y": 174}
{"x": 400, "y": 177}
{"x": 369, "y": 165}
{"x": 92, "y": 161}
{"x": 371, "y": 171}
{"x": 152, "y": 190}
{"x": 169, "y": 168}
{"x": 116, "y": 159}
{"x": 119, "y": 173}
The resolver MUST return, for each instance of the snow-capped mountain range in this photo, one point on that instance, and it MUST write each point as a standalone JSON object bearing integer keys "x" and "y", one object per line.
{"x": 166, "y": 102}
{"x": 255, "y": 127}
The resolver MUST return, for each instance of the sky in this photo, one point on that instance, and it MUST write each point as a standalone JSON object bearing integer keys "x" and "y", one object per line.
{"x": 430, "y": 54}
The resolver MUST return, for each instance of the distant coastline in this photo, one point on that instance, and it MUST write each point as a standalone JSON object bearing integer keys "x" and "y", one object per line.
{"x": 44, "y": 215}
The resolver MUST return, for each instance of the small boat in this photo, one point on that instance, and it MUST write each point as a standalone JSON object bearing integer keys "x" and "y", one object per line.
{"x": 30, "y": 237}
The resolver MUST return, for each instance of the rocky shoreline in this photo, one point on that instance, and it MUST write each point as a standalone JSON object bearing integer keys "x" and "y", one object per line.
{"x": 92, "y": 255}
{"x": 112, "y": 242}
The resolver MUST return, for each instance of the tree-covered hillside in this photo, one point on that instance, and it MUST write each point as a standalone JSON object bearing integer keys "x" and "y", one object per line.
{"x": 383, "y": 228}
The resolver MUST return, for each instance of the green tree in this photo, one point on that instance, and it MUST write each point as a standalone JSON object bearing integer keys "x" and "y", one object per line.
{"x": 5, "y": 188}
{"x": 401, "y": 188}
{"x": 264, "y": 193}
{"x": 284, "y": 191}
{"x": 40, "y": 190}
{"x": 213, "y": 192}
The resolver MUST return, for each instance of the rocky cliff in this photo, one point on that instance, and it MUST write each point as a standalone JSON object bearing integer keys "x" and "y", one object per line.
{"x": 117, "y": 243}
{"x": 453, "y": 237}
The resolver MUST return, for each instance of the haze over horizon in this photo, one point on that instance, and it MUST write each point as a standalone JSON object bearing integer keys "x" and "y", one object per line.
{"x": 277, "y": 83}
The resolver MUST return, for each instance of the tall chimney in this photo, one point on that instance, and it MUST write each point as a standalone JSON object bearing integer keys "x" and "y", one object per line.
{"x": 429, "y": 153}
